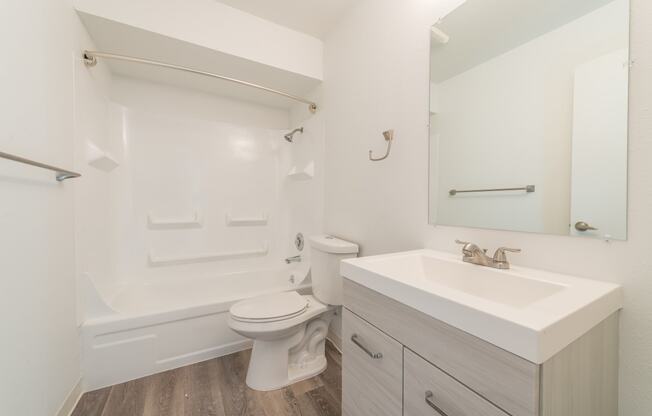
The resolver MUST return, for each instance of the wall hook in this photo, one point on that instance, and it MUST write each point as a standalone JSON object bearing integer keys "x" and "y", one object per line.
{"x": 389, "y": 136}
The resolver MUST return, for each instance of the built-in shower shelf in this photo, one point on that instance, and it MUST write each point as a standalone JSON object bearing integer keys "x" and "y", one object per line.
{"x": 246, "y": 221}
{"x": 158, "y": 260}
{"x": 191, "y": 221}
{"x": 99, "y": 158}
{"x": 302, "y": 174}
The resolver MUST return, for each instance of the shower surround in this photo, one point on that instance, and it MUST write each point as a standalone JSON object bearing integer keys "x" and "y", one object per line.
{"x": 197, "y": 210}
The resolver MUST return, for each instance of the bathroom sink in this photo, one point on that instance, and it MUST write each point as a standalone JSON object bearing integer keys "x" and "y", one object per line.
{"x": 531, "y": 313}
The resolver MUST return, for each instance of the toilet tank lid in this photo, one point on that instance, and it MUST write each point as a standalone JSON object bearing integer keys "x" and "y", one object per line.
{"x": 330, "y": 244}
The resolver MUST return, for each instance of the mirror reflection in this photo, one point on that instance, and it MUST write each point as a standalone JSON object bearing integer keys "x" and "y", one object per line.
{"x": 528, "y": 117}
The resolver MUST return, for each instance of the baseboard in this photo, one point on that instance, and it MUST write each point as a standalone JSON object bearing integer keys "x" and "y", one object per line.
{"x": 335, "y": 340}
{"x": 202, "y": 355}
{"x": 71, "y": 400}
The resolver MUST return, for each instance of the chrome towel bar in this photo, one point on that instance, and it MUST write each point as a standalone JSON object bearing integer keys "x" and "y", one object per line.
{"x": 61, "y": 174}
{"x": 527, "y": 188}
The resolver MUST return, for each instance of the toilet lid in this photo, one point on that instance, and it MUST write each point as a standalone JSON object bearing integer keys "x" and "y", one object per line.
{"x": 270, "y": 308}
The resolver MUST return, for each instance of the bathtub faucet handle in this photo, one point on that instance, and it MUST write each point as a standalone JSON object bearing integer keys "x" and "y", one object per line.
{"x": 293, "y": 259}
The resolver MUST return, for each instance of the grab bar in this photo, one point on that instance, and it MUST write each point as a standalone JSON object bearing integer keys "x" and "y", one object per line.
{"x": 61, "y": 174}
{"x": 527, "y": 188}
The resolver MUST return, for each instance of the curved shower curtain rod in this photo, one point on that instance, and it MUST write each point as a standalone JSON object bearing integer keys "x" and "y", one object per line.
{"x": 90, "y": 59}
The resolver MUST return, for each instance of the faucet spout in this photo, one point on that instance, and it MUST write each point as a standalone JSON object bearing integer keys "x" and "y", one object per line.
{"x": 475, "y": 255}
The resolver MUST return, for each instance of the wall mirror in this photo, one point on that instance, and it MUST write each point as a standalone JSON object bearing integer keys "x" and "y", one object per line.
{"x": 528, "y": 117}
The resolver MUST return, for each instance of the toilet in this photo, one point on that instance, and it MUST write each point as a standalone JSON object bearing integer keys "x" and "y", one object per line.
{"x": 289, "y": 329}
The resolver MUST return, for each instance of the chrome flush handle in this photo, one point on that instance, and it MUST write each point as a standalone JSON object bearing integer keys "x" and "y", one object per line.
{"x": 375, "y": 355}
{"x": 429, "y": 400}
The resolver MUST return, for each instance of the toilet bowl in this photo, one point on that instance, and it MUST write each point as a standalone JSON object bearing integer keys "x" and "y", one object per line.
{"x": 288, "y": 347}
{"x": 289, "y": 330}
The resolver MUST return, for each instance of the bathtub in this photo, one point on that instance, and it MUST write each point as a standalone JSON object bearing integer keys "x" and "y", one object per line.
{"x": 157, "y": 325}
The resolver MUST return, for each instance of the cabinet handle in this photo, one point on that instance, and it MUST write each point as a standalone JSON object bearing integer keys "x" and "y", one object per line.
{"x": 374, "y": 355}
{"x": 429, "y": 396}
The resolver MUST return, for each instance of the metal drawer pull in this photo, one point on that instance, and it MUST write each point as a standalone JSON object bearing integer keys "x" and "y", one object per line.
{"x": 429, "y": 396}
{"x": 374, "y": 355}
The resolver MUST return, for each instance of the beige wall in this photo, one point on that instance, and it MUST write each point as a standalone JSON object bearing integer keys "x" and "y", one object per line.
{"x": 376, "y": 77}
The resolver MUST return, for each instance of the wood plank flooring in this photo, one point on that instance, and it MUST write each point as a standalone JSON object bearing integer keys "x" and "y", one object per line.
{"x": 217, "y": 388}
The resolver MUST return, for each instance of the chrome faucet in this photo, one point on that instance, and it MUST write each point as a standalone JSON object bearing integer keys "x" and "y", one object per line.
{"x": 475, "y": 255}
{"x": 293, "y": 259}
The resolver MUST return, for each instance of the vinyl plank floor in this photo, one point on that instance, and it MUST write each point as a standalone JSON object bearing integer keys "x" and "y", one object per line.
{"x": 217, "y": 388}
{"x": 164, "y": 394}
{"x": 92, "y": 403}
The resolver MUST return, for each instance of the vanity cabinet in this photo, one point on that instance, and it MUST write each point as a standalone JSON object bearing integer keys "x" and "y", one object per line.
{"x": 373, "y": 370}
{"x": 399, "y": 361}
{"x": 428, "y": 391}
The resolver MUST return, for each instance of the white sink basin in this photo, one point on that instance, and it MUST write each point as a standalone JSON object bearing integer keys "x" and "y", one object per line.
{"x": 531, "y": 313}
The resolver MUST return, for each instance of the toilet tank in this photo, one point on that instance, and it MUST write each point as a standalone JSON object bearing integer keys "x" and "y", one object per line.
{"x": 326, "y": 252}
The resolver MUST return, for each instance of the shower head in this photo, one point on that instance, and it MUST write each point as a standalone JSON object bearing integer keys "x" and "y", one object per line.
{"x": 290, "y": 136}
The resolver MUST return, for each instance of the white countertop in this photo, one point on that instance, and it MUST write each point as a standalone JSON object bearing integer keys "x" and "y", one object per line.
{"x": 531, "y": 313}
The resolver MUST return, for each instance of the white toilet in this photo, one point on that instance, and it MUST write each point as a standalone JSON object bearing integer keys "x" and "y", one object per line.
{"x": 289, "y": 330}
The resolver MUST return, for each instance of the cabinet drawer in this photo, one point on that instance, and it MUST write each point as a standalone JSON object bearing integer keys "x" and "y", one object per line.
{"x": 510, "y": 382}
{"x": 372, "y": 370}
{"x": 431, "y": 392}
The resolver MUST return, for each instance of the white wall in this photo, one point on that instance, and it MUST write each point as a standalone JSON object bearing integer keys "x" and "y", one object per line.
{"x": 217, "y": 26}
{"x": 521, "y": 104}
{"x": 174, "y": 101}
{"x": 92, "y": 114}
{"x": 39, "y": 354}
{"x": 599, "y": 154}
{"x": 376, "y": 77}
{"x": 307, "y": 198}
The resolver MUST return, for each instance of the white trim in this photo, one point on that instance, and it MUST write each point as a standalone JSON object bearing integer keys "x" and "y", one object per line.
{"x": 335, "y": 341}
{"x": 193, "y": 357}
{"x": 72, "y": 399}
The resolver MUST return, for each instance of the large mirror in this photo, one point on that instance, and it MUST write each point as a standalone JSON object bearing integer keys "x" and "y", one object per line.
{"x": 528, "y": 117}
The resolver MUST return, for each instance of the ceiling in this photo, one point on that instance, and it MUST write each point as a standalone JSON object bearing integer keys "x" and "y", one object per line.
{"x": 480, "y": 30}
{"x": 313, "y": 17}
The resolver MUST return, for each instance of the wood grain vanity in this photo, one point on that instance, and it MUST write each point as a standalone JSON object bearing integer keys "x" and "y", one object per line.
{"x": 400, "y": 361}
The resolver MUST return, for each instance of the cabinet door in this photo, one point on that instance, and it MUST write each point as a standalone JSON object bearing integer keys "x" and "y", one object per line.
{"x": 372, "y": 370}
{"x": 431, "y": 392}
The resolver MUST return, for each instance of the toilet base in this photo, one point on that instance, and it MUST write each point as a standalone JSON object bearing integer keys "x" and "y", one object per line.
{"x": 278, "y": 363}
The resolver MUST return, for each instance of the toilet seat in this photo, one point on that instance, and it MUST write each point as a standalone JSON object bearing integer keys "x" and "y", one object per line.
{"x": 270, "y": 308}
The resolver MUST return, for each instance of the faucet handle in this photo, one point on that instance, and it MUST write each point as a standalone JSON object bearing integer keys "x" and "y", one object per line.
{"x": 469, "y": 248}
{"x": 499, "y": 255}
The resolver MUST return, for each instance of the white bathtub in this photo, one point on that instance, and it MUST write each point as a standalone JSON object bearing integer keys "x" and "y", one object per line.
{"x": 158, "y": 325}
